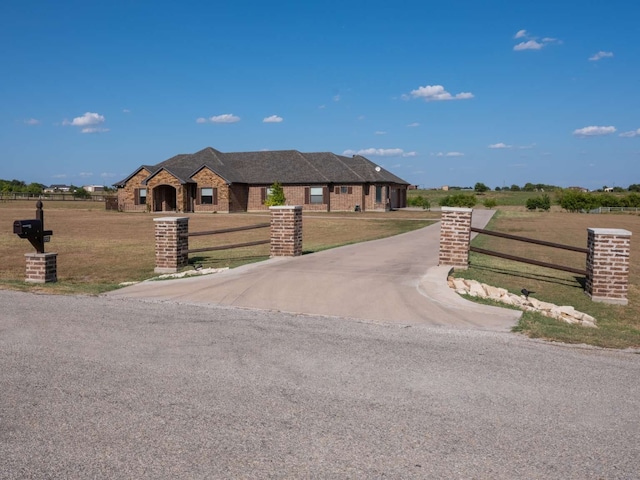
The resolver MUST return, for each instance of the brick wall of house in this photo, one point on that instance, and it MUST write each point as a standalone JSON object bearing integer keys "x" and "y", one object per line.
{"x": 165, "y": 178}
{"x": 205, "y": 178}
{"x": 127, "y": 195}
{"x": 295, "y": 195}
{"x": 608, "y": 265}
{"x": 238, "y": 198}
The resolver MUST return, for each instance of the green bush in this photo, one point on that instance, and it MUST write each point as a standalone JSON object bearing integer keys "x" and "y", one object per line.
{"x": 276, "y": 196}
{"x": 419, "y": 201}
{"x": 539, "y": 203}
{"x": 459, "y": 200}
{"x": 490, "y": 203}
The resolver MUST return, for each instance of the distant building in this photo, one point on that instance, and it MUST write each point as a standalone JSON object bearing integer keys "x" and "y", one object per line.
{"x": 445, "y": 188}
{"x": 94, "y": 188}
{"x": 578, "y": 189}
{"x": 57, "y": 188}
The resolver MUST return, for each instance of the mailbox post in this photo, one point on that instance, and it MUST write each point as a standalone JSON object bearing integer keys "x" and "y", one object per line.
{"x": 41, "y": 266}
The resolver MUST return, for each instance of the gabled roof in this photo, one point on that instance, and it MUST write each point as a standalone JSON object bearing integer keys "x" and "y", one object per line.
{"x": 267, "y": 167}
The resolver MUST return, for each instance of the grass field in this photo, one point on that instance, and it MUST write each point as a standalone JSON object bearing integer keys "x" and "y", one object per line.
{"x": 98, "y": 249}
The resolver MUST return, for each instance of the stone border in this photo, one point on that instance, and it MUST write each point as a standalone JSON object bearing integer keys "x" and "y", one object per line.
{"x": 564, "y": 313}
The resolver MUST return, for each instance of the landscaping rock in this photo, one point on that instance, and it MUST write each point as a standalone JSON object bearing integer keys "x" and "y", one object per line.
{"x": 564, "y": 313}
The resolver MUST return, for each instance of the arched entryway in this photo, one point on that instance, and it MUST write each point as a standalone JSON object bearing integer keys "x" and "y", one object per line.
{"x": 164, "y": 198}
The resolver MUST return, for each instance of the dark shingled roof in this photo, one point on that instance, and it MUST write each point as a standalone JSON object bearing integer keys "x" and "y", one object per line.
{"x": 284, "y": 166}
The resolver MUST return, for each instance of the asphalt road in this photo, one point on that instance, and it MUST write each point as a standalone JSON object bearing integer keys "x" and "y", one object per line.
{"x": 101, "y": 387}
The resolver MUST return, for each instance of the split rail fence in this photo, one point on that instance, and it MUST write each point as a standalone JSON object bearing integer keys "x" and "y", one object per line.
{"x": 607, "y": 254}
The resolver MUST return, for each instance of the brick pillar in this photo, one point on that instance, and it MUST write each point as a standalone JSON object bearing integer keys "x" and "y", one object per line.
{"x": 286, "y": 231}
{"x": 172, "y": 244}
{"x": 455, "y": 237}
{"x": 608, "y": 265}
{"x": 41, "y": 267}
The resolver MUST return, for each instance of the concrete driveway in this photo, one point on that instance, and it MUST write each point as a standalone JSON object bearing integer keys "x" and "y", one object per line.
{"x": 392, "y": 280}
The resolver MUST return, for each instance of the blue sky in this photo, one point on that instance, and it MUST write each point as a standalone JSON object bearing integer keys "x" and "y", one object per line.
{"x": 458, "y": 92}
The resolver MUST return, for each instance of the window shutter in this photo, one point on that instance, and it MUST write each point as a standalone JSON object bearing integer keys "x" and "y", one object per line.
{"x": 336, "y": 190}
{"x": 350, "y": 190}
{"x": 199, "y": 196}
{"x": 325, "y": 195}
{"x": 215, "y": 196}
{"x": 307, "y": 195}
{"x": 263, "y": 194}
{"x": 136, "y": 194}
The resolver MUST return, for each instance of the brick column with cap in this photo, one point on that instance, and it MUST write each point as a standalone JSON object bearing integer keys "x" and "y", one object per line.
{"x": 286, "y": 231}
{"x": 455, "y": 237}
{"x": 172, "y": 243}
{"x": 41, "y": 267}
{"x": 608, "y": 265}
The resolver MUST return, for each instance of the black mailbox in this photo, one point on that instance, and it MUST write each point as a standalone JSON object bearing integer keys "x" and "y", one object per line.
{"x": 27, "y": 228}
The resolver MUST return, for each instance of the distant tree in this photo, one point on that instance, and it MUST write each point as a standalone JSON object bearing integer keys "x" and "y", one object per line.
{"x": 276, "y": 195}
{"x": 81, "y": 193}
{"x": 497, "y": 189}
{"x": 35, "y": 188}
{"x": 635, "y": 187}
{"x": 529, "y": 187}
{"x": 618, "y": 189}
{"x": 515, "y": 188}
{"x": 480, "y": 187}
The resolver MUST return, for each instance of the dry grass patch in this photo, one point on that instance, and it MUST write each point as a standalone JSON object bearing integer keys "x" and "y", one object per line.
{"x": 98, "y": 249}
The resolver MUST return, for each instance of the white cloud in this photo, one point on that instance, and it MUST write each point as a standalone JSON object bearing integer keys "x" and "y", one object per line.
{"x": 224, "y": 118}
{"x": 600, "y": 55}
{"x": 632, "y": 133}
{"x": 594, "y": 131}
{"x": 126, "y": 110}
{"x": 528, "y": 45}
{"x": 85, "y": 120}
{"x": 94, "y": 130}
{"x": 336, "y": 98}
{"x": 500, "y": 145}
{"x": 273, "y": 119}
{"x": 380, "y": 132}
{"x": 448, "y": 154}
{"x": 379, "y": 152}
{"x": 85, "y": 174}
{"x": 433, "y": 93}
{"x": 32, "y": 121}
{"x": 107, "y": 175}
{"x": 527, "y": 147}
{"x": 409, "y": 154}
{"x": 531, "y": 43}
{"x": 414, "y": 124}
{"x": 322, "y": 107}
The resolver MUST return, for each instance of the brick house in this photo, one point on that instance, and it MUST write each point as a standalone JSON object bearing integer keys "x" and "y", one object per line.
{"x": 212, "y": 181}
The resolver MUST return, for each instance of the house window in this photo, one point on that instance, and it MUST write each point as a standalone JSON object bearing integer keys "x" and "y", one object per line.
{"x": 208, "y": 196}
{"x": 316, "y": 195}
{"x": 344, "y": 189}
{"x": 141, "y": 196}
{"x": 378, "y": 193}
